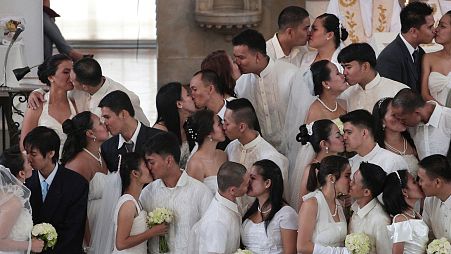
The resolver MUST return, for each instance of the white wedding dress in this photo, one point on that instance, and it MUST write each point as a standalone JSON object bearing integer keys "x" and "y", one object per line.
{"x": 413, "y": 233}
{"x": 328, "y": 232}
{"x": 439, "y": 87}
{"x": 21, "y": 231}
{"x": 212, "y": 183}
{"x": 138, "y": 227}
{"x": 256, "y": 239}
{"x": 96, "y": 186}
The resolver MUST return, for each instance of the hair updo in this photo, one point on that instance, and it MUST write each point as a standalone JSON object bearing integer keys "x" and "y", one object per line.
{"x": 76, "y": 140}
{"x": 202, "y": 124}
{"x": 320, "y": 130}
{"x": 332, "y": 24}
{"x": 50, "y": 66}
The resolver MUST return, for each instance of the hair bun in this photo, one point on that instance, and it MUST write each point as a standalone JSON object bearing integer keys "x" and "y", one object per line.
{"x": 68, "y": 127}
{"x": 343, "y": 33}
{"x": 303, "y": 135}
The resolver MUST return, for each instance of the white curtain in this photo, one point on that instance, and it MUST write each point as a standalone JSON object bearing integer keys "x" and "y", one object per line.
{"x": 106, "y": 19}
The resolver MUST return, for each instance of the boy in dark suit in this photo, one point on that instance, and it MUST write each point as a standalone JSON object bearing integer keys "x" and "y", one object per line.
{"x": 401, "y": 59}
{"x": 59, "y": 196}
{"x": 129, "y": 135}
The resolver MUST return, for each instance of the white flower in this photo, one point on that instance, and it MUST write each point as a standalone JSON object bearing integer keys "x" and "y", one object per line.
{"x": 159, "y": 216}
{"x": 47, "y": 233}
{"x": 439, "y": 246}
{"x": 358, "y": 243}
{"x": 240, "y": 251}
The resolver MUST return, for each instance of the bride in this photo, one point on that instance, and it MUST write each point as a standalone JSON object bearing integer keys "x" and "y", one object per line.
{"x": 15, "y": 210}
{"x": 436, "y": 67}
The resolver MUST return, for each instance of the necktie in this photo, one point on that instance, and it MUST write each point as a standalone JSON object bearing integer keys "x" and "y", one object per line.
{"x": 44, "y": 189}
{"x": 129, "y": 146}
{"x": 416, "y": 56}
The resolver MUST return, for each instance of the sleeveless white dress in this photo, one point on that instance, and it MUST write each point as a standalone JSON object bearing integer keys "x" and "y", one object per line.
{"x": 328, "y": 232}
{"x": 21, "y": 231}
{"x": 48, "y": 121}
{"x": 212, "y": 183}
{"x": 440, "y": 86}
{"x": 138, "y": 227}
{"x": 96, "y": 186}
{"x": 256, "y": 239}
{"x": 413, "y": 233}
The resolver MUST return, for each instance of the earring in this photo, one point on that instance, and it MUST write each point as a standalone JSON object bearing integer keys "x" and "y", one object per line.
{"x": 383, "y": 126}
{"x": 333, "y": 182}
{"x": 328, "y": 87}
{"x": 209, "y": 137}
{"x": 94, "y": 138}
{"x": 327, "y": 149}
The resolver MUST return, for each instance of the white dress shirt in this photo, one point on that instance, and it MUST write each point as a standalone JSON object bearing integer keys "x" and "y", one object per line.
{"x": 437, "y": 215}
{"x": 356, "y": 97}
{"x": 219, "y": 229}
{"x": 133, "y": 139}
{"x": 189, "y": 200}
{"x": 49, "y": 178}
{"x": 275, "y": 52}
{"x": 373, "y": 221}
{"x": 385, "y": 159}
{"x": 434, "y": 136}
{"x": 257, "y": 149}
{"x": 269, "y": 93}
{"x": 366, "y": 10}
{"x": 87, "y": 102}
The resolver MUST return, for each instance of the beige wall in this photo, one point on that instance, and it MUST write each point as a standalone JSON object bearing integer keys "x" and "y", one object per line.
{"x": 182, "y": 44}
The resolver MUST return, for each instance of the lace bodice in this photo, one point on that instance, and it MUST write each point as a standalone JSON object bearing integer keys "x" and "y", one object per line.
{"x": 184, "y": 154}
{"x": 22, "y": 228}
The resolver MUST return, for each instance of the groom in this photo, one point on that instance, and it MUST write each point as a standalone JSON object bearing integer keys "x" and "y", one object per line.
{"x": 59, "y": 196}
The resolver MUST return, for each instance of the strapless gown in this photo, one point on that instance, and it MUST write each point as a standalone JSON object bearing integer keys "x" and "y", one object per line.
{"x": 439, "y": 87}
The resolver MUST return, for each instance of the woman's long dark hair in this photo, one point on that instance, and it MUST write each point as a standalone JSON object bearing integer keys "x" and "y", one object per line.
{"x": 130, "y": 162}
{"x": 379, "y": 111}
{"x": 269, "y": 170}
{"x": 167, "y": 111}
{"x": 320, "y": 73}
{"x": 202, "y": 123}
{"x": 76, "y": 140}
{"x": 331, "y": 165}
{"x": 394, "y": 202}
{"x": 320, "y": 131}
{"x": 332, "y": 24}
{"x": 50, "y": 66}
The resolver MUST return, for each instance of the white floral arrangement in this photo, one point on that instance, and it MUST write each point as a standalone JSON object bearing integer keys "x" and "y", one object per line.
{"x": 160, "y": 216}
{"x": 45, "y": 232}
{"x": 240, "y": 251}
{"x": 358, "y": 243}
{"x": 439, "y": 246}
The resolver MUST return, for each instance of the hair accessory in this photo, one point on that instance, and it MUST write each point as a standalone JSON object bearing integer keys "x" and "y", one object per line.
{"x": 309, "y": 128}
{"x": 340, "y": 26}
{"x": 397, "y": 174}
{"x": 379, "y": 103}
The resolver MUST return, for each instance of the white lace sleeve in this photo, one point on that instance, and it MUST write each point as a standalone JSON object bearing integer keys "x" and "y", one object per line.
{"x": 10, "y": 210}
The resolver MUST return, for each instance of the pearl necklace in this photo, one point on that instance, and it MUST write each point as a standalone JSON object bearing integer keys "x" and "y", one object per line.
{"x": 413, "y": 215}
{"x": 324, "y": 104}
{"x": 336, "y": 211}
{"x": 403, "y": 152}
{"x": 263, "y": 212}
{"x": 98, "y": 159}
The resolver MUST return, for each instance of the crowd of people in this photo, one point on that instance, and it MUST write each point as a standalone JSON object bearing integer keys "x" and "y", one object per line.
{"x": 287, "y": 147}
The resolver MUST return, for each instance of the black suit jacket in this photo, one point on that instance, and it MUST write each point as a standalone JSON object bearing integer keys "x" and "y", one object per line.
{"x": 395, "y": 62}
{"x": 110, "y": 152}
{"x": 64, "y": 207}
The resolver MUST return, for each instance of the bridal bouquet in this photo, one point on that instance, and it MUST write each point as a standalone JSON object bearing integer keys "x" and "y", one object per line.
{"x": 45, "y": 232}
{"x": 358, "y": 243}
{"x": 160, "y": 216}
{"x": 439, "y": 246}
{"x": 240, "y": 251}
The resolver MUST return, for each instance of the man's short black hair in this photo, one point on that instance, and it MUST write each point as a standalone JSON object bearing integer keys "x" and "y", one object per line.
{"x": 360, "y": 52}
{"x": 414, "y": 15}
{"x": 408, "y": 100}
{"x": 360, "y": 118}
{"x": 117, "y": 101}
{"x": 373, "y": 178}
{"x": 163, "y": 144}
{"x": 244, "y": 112}
{"x": 291, "y": 16}
{"x": 252, "y": 39}
{"x": 88, "y": 71}
{"x": 44, "y": 140}
{"x": 210, "y": 77}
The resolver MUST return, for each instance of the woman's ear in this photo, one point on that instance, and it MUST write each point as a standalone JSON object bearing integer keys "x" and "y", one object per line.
{"x": 268, "y": 183}
{"x": 325, "y": 85}
{"x": 22, "y": 174}
{"x": 404, "y": 193}
{"x": 179, "y": 104}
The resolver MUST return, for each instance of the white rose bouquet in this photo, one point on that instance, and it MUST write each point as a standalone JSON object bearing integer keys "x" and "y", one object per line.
{"x": 240, "y": 251}
{"x": 45, "y": 232}
{"x": 358, "y": 243}
{"x": 439, "y": 246}
{"x": 160, "y": 216}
